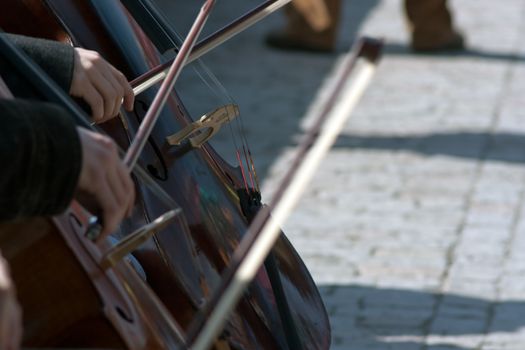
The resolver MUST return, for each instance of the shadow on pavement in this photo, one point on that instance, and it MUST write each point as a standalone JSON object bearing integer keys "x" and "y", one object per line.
{"x": 504, "y": 147}
{"x": 378, "y": 318}
{"x": 392, "y": 48}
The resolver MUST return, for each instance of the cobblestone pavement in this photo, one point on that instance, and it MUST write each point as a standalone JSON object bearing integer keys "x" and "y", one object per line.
{"x": 414, "y": 226}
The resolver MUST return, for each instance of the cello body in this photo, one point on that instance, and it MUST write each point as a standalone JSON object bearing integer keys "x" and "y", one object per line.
{"x": 68, "y": 301}
{"x": 184, "y": 261}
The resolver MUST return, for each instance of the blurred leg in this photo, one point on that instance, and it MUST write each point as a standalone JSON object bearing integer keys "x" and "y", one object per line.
{"x": 311, "y": 25}
{"x": 313, "y": 13}
{"x": 430, "y": 25}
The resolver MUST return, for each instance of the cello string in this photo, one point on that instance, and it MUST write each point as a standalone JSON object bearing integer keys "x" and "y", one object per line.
{"x": 219, "y": 90}
{"x": 225, "y": 96}
{"x": 248, "y": 165}
{"x": 239, "y": 123}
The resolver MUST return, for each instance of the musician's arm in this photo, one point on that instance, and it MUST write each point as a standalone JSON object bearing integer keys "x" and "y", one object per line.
{"x": 40, "y": 153}
{"x": 81, "y": 73}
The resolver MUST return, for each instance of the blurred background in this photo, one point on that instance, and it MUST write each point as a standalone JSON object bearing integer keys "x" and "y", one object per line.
{"x": 413, "y": 227}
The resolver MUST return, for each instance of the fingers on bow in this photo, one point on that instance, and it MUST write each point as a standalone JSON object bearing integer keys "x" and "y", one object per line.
{"x": 107, "y": 91}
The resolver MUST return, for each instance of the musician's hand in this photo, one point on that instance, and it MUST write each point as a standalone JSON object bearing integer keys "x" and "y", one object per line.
{"x": 106, "y": 178}
{"x": 101, "y": 85}
{"x": 10, "y": 312}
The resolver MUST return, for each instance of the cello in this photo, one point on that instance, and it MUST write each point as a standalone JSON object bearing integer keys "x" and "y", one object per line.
{"x": 210, "y": 219}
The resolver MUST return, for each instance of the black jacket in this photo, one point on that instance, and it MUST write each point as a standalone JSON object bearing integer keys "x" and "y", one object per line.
{"x": 40, "y": 150}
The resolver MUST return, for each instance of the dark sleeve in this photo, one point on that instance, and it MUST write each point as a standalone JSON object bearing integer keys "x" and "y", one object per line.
{"x": 40, "y": 154}
{"x": 55, "y": 58}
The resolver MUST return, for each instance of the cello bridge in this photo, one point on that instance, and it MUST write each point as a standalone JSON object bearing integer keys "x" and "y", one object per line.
{"x": 200, "y": 131}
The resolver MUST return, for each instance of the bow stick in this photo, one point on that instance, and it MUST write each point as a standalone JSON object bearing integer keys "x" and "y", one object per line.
{"x": 265, "y": 229}
{"x": 158, "y": 73}
{"x": 146, "y": 127}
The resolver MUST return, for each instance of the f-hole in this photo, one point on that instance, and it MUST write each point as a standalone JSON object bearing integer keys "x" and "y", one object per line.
{"x": 123, "y": 315}
{"x": 161, "y": 174}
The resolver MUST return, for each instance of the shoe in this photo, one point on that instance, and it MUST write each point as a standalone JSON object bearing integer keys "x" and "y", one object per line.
{"x": 455, "y": 43}
{"x": 282, "y": 41}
